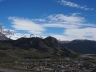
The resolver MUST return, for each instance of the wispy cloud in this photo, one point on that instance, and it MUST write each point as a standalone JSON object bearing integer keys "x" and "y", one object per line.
{"x": 83, "y": 33}
{"x": 67, "y": 21}
{"x": 66, "y": 18}
{"x": 26, "y": 24}
{"x": 74, "y": 26}
{"x": 71, "y": 4}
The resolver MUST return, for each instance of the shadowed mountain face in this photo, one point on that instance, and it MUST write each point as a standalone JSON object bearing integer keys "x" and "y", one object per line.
{"x": 37, "y": 43}
{"x": 35, "y": 48}
{"x": 81, "y": 46}
{"x": 3, "y": 37}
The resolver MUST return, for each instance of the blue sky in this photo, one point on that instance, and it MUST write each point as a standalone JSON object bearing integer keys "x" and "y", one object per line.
{"x": 62, "y": 19}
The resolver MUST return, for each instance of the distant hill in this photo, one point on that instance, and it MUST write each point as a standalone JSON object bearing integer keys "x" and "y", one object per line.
{"x": 81, "y": 46}
{"x": 34, "y": 47}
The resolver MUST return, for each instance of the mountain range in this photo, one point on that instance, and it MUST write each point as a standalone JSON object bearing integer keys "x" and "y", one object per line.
{"x": 33, "y": 47}
{"x": 81, "y": 46}
{"x": 49, "y": 47}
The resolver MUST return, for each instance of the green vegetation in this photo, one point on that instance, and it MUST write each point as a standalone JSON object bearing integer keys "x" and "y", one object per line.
{"x": 32, "y": 48}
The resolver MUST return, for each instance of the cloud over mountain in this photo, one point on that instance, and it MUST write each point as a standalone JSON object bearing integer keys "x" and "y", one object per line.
{"x": 74, "y": 26}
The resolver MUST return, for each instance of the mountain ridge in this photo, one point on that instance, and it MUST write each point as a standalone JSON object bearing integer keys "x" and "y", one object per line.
{"x": 81, "y": 46}
{"x": 35, "y": 47}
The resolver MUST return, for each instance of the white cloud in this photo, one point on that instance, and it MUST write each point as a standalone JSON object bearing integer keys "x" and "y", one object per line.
{"x": 65, "y": 18}
{"x": 74, "y": 26}
{"x": 65, "y": 21}
{"x": 27, "y": 25}
{"x": 83, "y": 33}
{"x": 71, "y": 4}
{"x": 58, "y": 25}
{"x": 71, "y": 34}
